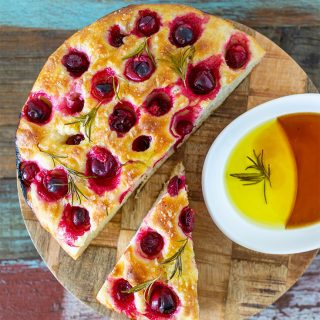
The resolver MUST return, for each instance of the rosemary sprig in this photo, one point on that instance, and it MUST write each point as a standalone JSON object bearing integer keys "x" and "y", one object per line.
{"x": 116, "y": 88}
{"x": 179, "y": 61}
{"x": 177, "y": 259}
{"x": 144, "y": 46}
{"x": 73, "y": 189}
{"x": 86, "y": 121}
{"x": 263, "y": 173}
{"x": 147, "y": 285}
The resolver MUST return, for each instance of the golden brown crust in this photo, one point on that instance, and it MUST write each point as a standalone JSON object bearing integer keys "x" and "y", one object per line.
{"x": 162, "y": 218}
{"x": 56, "y": 83}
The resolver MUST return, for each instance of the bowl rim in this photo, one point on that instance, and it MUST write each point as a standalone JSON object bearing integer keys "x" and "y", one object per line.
{"x": 234, "y": 225}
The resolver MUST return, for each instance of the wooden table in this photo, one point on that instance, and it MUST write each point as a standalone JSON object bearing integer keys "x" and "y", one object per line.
{"x": 27, "y": 288}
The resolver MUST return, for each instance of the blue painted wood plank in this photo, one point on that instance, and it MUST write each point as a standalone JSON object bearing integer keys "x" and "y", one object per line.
{"x": 14, "y": 238}
{"x": 75, "y": 14}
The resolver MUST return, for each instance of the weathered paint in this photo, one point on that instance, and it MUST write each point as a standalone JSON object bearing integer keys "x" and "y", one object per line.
{"x": 29, "y": 291}
{"x": 75, "y": 14}
{"x": 14, "y": 238}
{"x": 24, "y": 282}
{"x": 299, "y": 303}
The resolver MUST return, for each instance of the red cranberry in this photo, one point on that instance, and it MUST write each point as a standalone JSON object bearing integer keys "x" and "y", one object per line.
{"x": 116, "y": 36}
{"x": 183, "y": 35}
{"x": 186, "y": 30}
{"x": 102, "y": 85}
{"x": 76, "y": 63}
{"x": 151, "y": 243}
{"x": 175, "y": 184}
{"x": 123, "y": 301}
{"x": 75, "y": 139}
{"x": 236, "y": 56}
{"x": 119, "y": 287}
{"x": 142, "y": 143}
{"x": 75, "y": 104}
{"x": 186, "y": 219}
{"x": 37, "y": 110}
{"x": 139, "y": 68}
{"x": 72, "y": 103}
{"x": 201, "y": 81}
{"x": 158, "y": 103}
{"x": 28, "y": 171}
{"x": 162, "y": 299}
{"x": 52, "y": 185}
{"x": 183, "y": 127}
{"x": 123, "y": 117}
{"x": 104, "y": 168}
{"x": 148, "y": 23}
{"x": 76, "y": 220}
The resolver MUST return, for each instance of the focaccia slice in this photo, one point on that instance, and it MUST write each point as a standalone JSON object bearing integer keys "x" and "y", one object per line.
{"x": 156, "y": 277}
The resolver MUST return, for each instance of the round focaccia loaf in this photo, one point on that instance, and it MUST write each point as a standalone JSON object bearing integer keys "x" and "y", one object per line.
{"x": 113, "y": 103}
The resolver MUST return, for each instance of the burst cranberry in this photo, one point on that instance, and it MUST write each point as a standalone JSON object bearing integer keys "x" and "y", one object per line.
{"x": 116, "y": 36}
{"x": 139, "y": 68}
{"x": 163, "y": 300}
{"x": 75, "y": 139}
{"x": 183, "y": 35}
{"x": 104, "y": 169}
{"x": 186, "y": 219}
{"x": 28, "y": 171}
{"x": 142, "y": 143}
{"x": 37, "y": 110}
{"x": 186, "y": 30}
{"x": 75, "y": 220}
{"x": 52, "y": 185}
{"x": 123, "y": 117}
{"x": 236, "y": 56}
{"x": 72, "y": 103}
{"x": 175, "y": 184}
{"x": 151, "y": 243}
{"x": 148, "y": 23}
{"x": 183, "y": 127}
{"x": 102, "y": 85}
{"x": 158, "y": 103}
{"x": 124, "y": 301}
{"x": 201, "y": 81}
{"x": 75, "y": 104}
{"x": 76, "y": 63}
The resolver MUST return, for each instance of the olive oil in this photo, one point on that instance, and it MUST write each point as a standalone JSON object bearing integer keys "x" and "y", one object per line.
{"x": 265, "y": 202}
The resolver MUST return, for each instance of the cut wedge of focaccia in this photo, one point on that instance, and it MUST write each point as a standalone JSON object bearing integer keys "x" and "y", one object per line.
{"x": 156, "y": 277}
{"x": 113, "y": 103}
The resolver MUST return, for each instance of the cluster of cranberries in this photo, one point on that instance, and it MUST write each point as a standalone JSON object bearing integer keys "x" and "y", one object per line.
{"x": 202, "y": 79}
{"x": 163, "y": 300}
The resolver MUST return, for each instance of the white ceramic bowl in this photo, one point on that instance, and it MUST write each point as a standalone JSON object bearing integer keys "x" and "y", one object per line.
{"x": 227, "y": 218}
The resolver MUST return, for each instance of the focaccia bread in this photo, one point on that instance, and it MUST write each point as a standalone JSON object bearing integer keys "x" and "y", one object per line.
{"x": 156, "y": 277}
{"x": 113, "y": 103}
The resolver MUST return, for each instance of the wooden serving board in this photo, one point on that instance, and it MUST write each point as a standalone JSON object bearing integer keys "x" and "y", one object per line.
{"x": 234, "y": 282}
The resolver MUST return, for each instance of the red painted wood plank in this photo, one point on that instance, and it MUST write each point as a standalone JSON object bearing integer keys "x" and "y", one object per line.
{"x": 29, "y": 291}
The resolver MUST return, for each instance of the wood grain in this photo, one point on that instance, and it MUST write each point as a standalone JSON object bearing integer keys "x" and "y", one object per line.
{"x": 234, "y": 282}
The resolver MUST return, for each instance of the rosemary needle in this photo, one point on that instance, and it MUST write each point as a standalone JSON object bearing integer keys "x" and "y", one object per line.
{"x": 262, "y": 174}
{"x": 179, "y": 61}
{"x": 177, "y": 258}
{"x": 73, "y": 189}
{"x": 147, "y": 285}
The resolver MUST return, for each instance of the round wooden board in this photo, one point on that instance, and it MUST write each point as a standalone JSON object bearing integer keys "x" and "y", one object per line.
{"x": 234, "y": 282}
